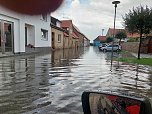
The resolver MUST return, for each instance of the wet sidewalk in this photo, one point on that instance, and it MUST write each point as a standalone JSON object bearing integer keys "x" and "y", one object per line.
{"x": 10, "y": 54}
{"x": 7, "y": 54}
{"x": 29, "y": 51}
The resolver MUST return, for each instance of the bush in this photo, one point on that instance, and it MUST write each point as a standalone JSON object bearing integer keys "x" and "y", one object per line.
{"x": 133, "y": 40}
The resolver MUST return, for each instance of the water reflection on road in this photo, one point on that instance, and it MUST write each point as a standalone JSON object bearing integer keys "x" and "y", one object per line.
{"x": 53, "y": 83}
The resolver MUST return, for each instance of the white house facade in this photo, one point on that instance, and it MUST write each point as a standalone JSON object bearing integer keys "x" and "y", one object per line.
{"x": 18, "y": 31}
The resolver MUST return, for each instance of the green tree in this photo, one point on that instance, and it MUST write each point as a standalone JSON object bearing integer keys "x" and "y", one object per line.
{"x": 121, "y": 35}
{"x": 109, "y": 39}
{"x": 103, "y": 41}
{"x": 139, "y": 20}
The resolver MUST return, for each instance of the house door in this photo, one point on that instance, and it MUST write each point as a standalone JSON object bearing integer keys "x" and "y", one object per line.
{"x": 6, "y": 36}
{"x": 53, "y": 40}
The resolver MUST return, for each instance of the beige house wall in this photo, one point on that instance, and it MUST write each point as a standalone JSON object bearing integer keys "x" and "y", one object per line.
{"x": 70, "y": 41}
{"x": 75, "y": 43}
{"x": 58, "y": 44}
{"x": 81, "y": 40}
{"x": 66, "y": 42}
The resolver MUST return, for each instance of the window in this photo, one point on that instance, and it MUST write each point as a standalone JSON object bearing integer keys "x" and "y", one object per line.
{"x": 115, "y": 46}
{"x": 110, "y": 46}
{"x": 44, "y": 17}
{"x": 44, "y": 34}
{"x": 59, "y": 37}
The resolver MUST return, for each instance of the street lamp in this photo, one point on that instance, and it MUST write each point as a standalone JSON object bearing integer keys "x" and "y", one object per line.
{"x": 115, "y": 3}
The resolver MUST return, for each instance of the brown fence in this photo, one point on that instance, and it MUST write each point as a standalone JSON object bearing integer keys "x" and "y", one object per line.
{"x": 150, "y": 46}
{"x": 146, "y": 45}
{"x": 130, "y": 46}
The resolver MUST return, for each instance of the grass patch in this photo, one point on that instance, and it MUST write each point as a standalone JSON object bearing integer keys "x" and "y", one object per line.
{"x": 142, "y": 61}
{"x": 123, "y": 51}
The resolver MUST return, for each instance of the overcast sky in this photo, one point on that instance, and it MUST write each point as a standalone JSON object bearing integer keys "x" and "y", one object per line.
{"x": 91, "y": 16}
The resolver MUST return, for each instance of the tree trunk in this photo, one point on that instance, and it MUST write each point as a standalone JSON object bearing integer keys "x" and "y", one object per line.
{"x": 119, "y": 41}
{"x": 141, "y": 32}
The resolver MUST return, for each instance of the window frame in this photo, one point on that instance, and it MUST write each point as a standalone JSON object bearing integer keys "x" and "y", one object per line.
{"x": 45, "y": 36}
{"x": 59, "y": 38}
{"x": 44, "y": 17}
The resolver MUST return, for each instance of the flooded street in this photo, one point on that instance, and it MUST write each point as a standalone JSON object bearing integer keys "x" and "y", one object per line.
{"x": 53, "y": 83}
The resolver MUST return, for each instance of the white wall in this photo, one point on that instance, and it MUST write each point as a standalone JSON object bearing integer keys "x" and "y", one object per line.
{"x": 20, "y": 21}
{"x": 58, "y": 24}
{"x": 39, "y": 24}
{"x": 30, "y": 34}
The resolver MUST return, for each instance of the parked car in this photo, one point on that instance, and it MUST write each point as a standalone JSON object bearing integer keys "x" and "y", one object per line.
{"x": 116, "y": 47}
{"x": 102, "y": 45}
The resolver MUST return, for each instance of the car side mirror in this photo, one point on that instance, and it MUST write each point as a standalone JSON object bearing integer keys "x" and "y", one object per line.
{"x": 114, "y": 103}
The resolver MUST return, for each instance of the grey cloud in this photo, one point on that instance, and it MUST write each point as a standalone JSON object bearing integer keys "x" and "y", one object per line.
{"x": 98, "y": 14}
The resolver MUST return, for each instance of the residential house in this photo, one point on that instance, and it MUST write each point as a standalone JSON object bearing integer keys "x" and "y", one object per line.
{"x": 111, "y": 32}
{"x": 133, "y": 35}
{"x": 99, "y": 40}
{"x": 67, "y": 26}
{"x": 73, "y": 40}
{"x": 19, "y": 31}
{"x": 86, "y": 42}
{"x": 66, "y": 39}
{"x": 73, "y": 36}
{"x": 57, "y": 34}
{"x": 80, "y": 35}
{"x": 81, "y": 39}
{"x": 79, "y": 42}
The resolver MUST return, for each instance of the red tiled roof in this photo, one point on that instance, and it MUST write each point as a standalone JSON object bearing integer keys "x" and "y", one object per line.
{"x": 111, "y": 30}
{"x": 65, "y": 34}
{"x": 66, "y": 23}
{"x": 74, "y": 35}
{"x": 134, "y": 35}
{"x": 102, "y": 38}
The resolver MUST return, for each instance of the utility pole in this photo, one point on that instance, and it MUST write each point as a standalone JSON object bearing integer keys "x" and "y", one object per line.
{"x": 102, "y": 31}
{"x": 115, "y": 5}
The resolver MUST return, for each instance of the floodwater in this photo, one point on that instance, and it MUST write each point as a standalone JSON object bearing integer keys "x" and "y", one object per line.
{"x": 53, "y": 83}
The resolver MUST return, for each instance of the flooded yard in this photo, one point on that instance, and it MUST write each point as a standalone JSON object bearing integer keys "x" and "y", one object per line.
{"x": 53, "y": 83}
